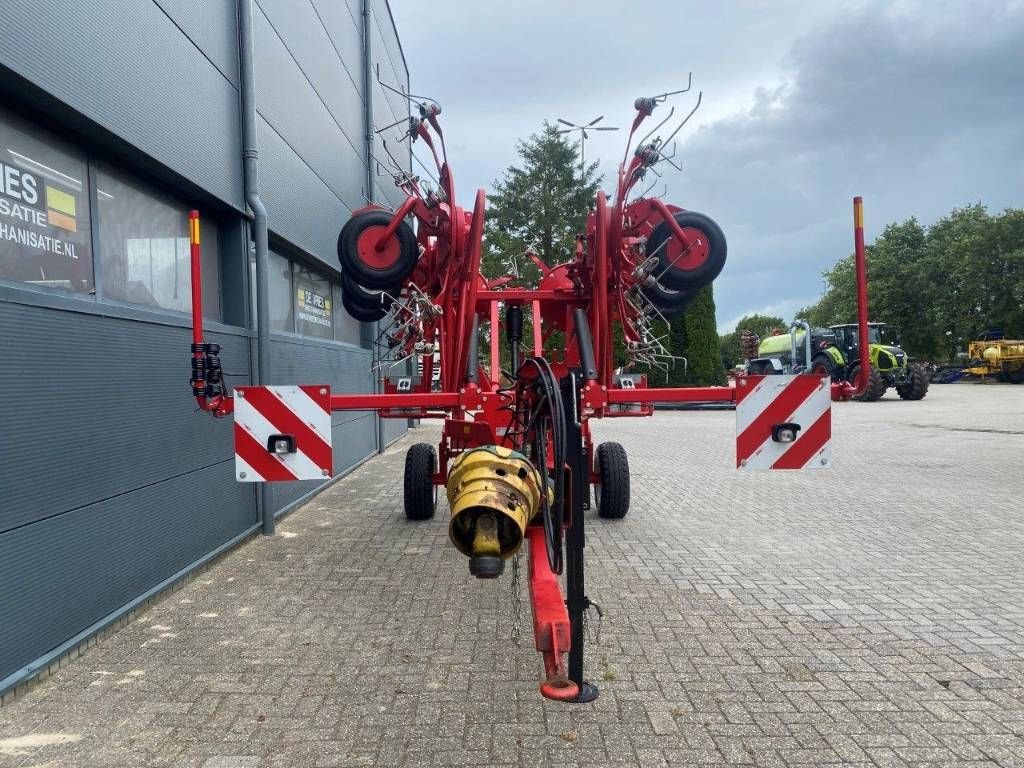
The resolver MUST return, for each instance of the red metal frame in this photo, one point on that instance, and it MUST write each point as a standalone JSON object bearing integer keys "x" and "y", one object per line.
{"x": 473, "y": 402}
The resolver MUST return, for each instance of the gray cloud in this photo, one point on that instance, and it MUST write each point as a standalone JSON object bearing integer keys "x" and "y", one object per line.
{"x": 915, "y": 105}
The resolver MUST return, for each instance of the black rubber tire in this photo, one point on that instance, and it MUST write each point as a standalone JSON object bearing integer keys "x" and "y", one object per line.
{"x": 611, "y": 492}
{"x": 362, "y": 312}
{"x": 363, "y": 273}
{"x": 1015, "y": 376}
{"x": 670, "y": 303}
{"x": 876, "y": 385}
{"x": 822, "y": 363}
{"x": 368, "y": 303}
{"x": 917, "y": 387}
{"x": 681, "y": 280}
{"x": 420, "y": 493}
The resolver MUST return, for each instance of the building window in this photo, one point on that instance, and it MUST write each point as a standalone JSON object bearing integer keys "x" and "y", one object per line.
{"x": 314, "y": 305}
{"x": 144, "y": 247}
{"x": 282, "y": 317}
{"x": 346, "y": 328}
{"x": 45, "y": 237}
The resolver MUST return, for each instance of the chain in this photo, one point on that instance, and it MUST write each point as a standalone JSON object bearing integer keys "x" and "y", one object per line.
{"x": 517, "y": 602}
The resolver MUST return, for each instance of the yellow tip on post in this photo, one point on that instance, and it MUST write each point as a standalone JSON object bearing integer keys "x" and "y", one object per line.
{"x": 193, "y": 227}
{"x": 858, "y": 213}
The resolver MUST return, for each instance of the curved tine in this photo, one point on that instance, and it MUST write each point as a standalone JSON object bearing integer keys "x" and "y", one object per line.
{"x": 689, "y": 84}
{"x": 398, "y": 165}
{"x": 655, "y": 128}
{"x": 566, "y": 122}
{"x": 426, "y": 170}
{"x": 686, "y": 119}
{"x": 410, "y": 96}
{"x": 391, "y": 125}
{"x": 595, "y": 121}
{"x": 605, "y": 128}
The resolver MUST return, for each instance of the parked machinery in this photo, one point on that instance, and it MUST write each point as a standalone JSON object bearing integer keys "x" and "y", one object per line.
{"x": 835, "y": 351}
{"x": 996, "y": 356}
{"x": 516, "y": 456}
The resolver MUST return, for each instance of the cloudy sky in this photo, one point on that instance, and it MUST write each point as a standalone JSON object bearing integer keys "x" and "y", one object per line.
{"x": 917, "y": 106}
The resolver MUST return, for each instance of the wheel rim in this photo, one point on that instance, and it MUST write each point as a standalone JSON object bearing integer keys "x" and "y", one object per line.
{"x": 366, "y": 247}
{"x": 691, "y": 258}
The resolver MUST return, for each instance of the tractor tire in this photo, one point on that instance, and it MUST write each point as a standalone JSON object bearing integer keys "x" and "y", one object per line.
{"x": 917, "y": 387}
{"x": 420, "y": 491}
{"x": 705, "y": 259}
{"x": 822, "y": 364}
{"x": 363, "y": 304}
{"x": 1015, "y": 376}
{"x": 372, "y": 268}
{"x": 876, "y": 384}
{"x": 670, "y": 303}
{"x": 611, "y": 492}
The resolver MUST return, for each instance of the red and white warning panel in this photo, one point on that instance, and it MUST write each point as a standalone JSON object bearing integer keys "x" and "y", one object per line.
{"x": 783, "y": 422}
{"x": 282, "y": 433}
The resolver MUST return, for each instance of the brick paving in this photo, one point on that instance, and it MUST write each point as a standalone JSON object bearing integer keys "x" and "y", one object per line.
{"x": 871, "y": 614}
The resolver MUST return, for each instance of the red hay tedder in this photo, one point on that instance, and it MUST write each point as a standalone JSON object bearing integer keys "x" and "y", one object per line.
{"x": 516, "y": 454}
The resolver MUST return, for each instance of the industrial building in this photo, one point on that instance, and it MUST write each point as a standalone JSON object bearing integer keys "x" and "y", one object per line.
{"x": 117, "y": 117}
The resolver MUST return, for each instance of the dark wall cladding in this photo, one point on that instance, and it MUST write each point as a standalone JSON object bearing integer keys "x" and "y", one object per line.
{"x": 64, "y": 574}
{"x": 192, "y": 128}
{"x": 111, "y": 481}
{"x": 345, "y": 369}
{"x": 107, "y": 410}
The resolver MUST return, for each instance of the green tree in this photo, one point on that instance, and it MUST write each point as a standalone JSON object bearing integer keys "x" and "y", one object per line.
{"x": 694, "y": 335}
{"x": 942, "y": 285}
{"x": 540, "y": 204}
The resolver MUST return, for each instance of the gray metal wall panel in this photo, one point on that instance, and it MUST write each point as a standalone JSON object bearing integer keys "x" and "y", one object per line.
{"x": 345, "y": 369}
{"x": 127, "y": 66}
{"x": 107, "y": 409}
{"x": 290, "y": 103}
{"x": 300, "y": 207}
{"x": 341, "y": 21}
{"x": 64, "y": 574}
{"x": 312, "y": 173}
{"x": 212, "y": 28}
{"x": 334, "y": 80}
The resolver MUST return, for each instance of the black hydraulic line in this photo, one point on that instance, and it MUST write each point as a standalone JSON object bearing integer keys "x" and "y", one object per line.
{"x": 579, "y": 488}
{"x": 473, "y": 354}
{"x": 585, "y": 344}
{"x": 514, "y": 332}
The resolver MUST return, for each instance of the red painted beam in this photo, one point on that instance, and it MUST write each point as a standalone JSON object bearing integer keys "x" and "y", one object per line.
{"x": 550, "y": 620}
{"x": 435, "y": 400}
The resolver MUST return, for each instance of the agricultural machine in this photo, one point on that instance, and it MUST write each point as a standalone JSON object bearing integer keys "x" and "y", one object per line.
{"x": 835, "y": 352}
{"x": 516, "y": 456}
{"x": 995, "y": 355}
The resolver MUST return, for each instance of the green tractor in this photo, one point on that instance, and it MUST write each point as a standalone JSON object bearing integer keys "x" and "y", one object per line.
{"x": 835, "y": 351}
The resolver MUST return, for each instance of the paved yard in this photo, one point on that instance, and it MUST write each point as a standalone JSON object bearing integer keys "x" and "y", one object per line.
{"x": 869, "y": 614}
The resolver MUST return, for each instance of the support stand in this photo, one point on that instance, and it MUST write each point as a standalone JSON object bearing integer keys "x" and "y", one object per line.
{"x": 579, "y": 486}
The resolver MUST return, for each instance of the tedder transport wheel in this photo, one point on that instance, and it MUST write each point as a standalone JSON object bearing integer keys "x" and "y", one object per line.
{"x": 876, "y": 384}
{"x": 917, "y": 387}
{"x": 364, "y": 263}
{"x": 699, "y": 264}
{"x": 363, "y": 304}
{"x": 420, "y": 493}
{"x": 612, "y": 489}
{"x": 669, "y": 303}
